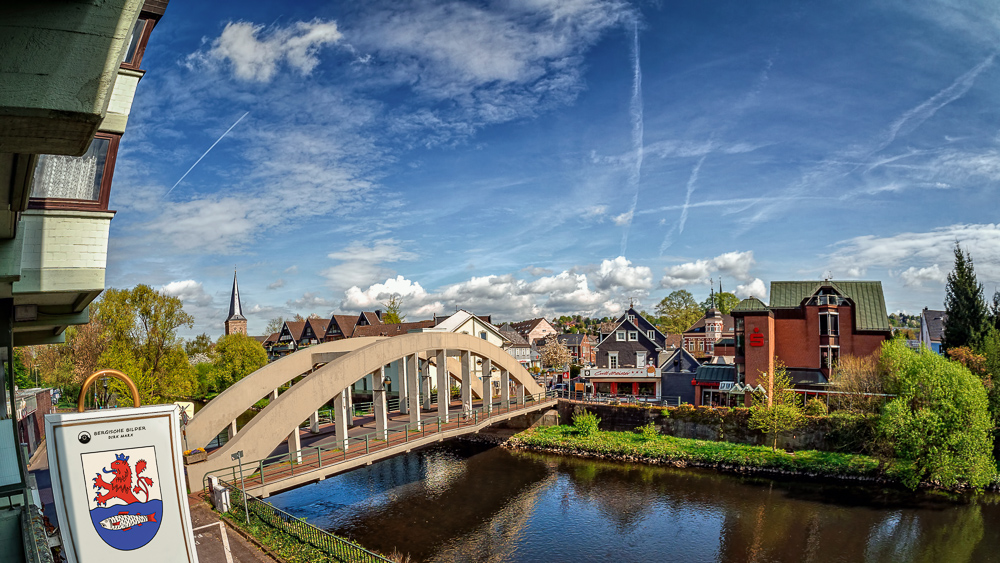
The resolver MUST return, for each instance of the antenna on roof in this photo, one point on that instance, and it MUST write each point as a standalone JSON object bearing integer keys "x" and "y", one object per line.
{"x": 827, "y": 275}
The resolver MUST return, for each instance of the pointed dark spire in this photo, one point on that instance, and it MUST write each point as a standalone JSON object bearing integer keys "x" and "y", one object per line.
{"x": 235, "y": 308}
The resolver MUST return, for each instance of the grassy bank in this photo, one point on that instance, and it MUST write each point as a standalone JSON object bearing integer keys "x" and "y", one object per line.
{"x": 660, "y": 449}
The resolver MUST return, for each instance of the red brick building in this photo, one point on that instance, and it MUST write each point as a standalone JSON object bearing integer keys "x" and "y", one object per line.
{"x": 808, "y": 326}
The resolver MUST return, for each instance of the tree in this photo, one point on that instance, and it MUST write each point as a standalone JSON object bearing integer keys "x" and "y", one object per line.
{"x": 555, "y": 353}
{"x": 938, "y": 426}
{"x": 861, "y": 380}
{"x": 237, "y": 356}
{"x": 393, "y": 310}
{"x": 965, "y": 305}
{"x": 201, "y": 344}
{"x": 995, "y": 310}
{"x": 274, "y": 325}
{"x": 139, "y": 326}
{"x": 776, "y": 410}
{"x": 724, "y": 302}
{"x": 678, "y": 311}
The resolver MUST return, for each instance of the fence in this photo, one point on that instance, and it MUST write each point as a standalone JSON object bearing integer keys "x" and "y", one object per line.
{"x": 670, "y": 401}
{"x": 335, "y": 546}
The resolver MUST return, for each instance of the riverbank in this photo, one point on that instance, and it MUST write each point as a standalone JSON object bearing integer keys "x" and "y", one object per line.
{"x": 722, "y": 456}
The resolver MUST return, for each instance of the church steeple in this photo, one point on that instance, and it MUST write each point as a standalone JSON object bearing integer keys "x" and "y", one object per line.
{"x": 236, "y": 323}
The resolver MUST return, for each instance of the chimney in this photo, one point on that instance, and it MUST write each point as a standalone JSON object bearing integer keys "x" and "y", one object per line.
{"x": 378, "y": 313}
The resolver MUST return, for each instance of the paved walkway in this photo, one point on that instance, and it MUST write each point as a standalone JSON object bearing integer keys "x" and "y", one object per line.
{"x": 217, "y": 542}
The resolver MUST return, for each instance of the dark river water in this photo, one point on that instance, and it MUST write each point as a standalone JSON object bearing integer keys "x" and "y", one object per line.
{"x": 461, "y": 502}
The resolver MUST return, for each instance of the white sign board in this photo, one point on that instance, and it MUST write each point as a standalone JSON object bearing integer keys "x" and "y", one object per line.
{"x": 726, "y": 385}
{"x": 118, "y": 485}
{"x": 625, "y": 372}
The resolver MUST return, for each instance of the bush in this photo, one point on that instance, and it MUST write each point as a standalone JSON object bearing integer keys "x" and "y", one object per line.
{"x": 585, "y": 423}
{"x": 648, "y": 432}
{"x": 815, "y": 407}
{"x": 938, "y": 426}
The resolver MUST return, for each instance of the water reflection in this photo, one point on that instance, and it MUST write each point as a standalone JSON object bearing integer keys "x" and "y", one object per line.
{"x": 466, "y": 502}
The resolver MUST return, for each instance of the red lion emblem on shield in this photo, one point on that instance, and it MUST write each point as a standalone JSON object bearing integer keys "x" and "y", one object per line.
{"x": 120, "y": 486}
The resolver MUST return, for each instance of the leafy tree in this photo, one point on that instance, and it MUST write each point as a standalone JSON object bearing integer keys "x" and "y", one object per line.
{"x": 23, "y": 378}
{"x": 995, "y": 310}
{"x": 297, "y": 318}
{"x": 201, "y": 344}
{"x": 860, "y": 380}
{"x": 555, "y": 353}
{"x": 274, "y": 325}
{"x": 237, "y": 356}
{"x": 964, "y": 303}
{"x": 938, "y": 426}
{"x": 776, "y": 410}
{"x": 678, "y": 311}
{"x": 139, "y": 326}
{"x": 393, "y": 310}
{"x": 724, "y": 302}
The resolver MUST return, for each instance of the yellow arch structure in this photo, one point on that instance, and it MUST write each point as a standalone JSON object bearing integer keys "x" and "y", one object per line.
{"x": 282, "y": 416}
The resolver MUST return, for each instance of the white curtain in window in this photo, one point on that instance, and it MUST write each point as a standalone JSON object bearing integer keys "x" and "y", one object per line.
{"x": 65, "y": 177}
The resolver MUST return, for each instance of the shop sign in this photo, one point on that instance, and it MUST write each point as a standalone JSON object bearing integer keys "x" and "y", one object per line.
{"x": 118, "y": 485}
{"x": 625, "y": 372}
{"x": 756, "y": 338}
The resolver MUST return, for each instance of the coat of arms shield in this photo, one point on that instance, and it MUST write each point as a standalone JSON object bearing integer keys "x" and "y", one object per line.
{"x": 125, "y": 502}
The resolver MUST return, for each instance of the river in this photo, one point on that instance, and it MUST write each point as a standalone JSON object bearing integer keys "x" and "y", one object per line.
{"x": 466, "y": 502}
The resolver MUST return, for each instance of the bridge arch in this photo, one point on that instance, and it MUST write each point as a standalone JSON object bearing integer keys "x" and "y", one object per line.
{"x": 282, "y": 417}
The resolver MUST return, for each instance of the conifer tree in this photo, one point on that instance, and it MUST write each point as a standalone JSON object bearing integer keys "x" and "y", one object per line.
{"x": 965, "y": 304}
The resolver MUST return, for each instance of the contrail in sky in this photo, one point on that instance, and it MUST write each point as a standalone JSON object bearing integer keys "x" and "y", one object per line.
{"x": 679, "y": 227}
{"x": 635, "y": 109}
{"x": 205, "y": 153}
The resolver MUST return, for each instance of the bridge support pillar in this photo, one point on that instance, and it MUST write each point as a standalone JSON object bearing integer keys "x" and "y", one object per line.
{"x": 378, "y": 403}
{"x": 340, "y": 418}
{"x": 231, "y": 430}
{"x": 404, "y": 388}
{"x": 350, "y": 406}
{"x": 519, "y": 389}
{"x": 464, "y": 359}
{"x": 425, "y": 378}
{"x": 443, "y": 384}
{"x": 274, "y": 395}
{"x": 295, "y": 446}
{"x": 413, "y": 383}
{"x": 487, "y": 385}
{"x": 314, "y": 422}
{"x": 505, "y": 388}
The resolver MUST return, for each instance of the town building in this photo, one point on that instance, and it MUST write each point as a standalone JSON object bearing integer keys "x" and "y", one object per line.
{"x": 32, "y": 406}
{"x": 340, "y": 327}
{"x": 236, "y": 323}
{"x": 534, "y": 329}
{"x": 932, "y": 328}
{"x": 519, "y": 347}
{"x": 582, "y": 347}
{"x": 677, "y": 374}
{"x": 807, "y": 326}
{"x": 628, "y": 358}
{"x": 70, "y": 72}
{"x": 701, "y": 338}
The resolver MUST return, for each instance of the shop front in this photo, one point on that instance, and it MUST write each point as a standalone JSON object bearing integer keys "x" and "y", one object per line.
{"x": 640, "y": 382}
{"x": 714, "y": 386}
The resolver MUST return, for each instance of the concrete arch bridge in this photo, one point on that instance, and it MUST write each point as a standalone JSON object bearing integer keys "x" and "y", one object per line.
{"x": 329, "y": 370}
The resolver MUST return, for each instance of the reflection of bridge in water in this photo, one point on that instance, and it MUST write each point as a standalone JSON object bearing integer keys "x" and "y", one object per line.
{"x": 327, "y": 371}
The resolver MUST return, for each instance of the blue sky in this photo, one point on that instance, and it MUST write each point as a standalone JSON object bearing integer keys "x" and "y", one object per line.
{"x": 541, "y": 157}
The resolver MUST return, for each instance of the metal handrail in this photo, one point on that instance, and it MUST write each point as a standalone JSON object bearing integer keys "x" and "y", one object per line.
{"x": 310, "y": 455}
{"x": 336, "y": 546}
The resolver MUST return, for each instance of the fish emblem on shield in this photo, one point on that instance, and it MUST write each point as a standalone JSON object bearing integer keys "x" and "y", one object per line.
{"x": 125, "y": 502}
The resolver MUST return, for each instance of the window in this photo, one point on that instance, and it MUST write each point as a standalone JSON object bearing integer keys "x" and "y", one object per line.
{"x": 137, "y": 43}
{"x": 633, "y": 336}
{"x": 829, "y": 324}
{"x": 482, "y": 335}
{"x": 640, "y": 359}
{"x": 620, "y": 336}
{"x": 76, "y": 182}
{"x": 613, "y": 360}
{"x": 649, "y": 334}
{"x": 631, "y": 318}
{"x": 828, "y": 356}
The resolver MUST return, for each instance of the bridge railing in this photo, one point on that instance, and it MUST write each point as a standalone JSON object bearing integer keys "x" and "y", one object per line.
{"x": 260, "y": 472}
{"x": 337, "y": 547}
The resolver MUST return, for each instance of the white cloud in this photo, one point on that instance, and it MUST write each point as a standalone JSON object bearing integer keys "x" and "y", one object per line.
{"x": 254, "y": 52}
{"x": 410, "y": 292}
{"x": 915, "y": 277}
{"x": 756, "y": 288}
{"x": 917, "y": 252}
{"x": 292, "y": 270}
{"x": 733, "y": 264}
{"x": 363, "y": 263}
{"x": 623, "y": 219}
{"x": 276, "y": 284}
{"x": 189, "y": 292}
{"x": 621, "y": 273}
{"x": 311, "y": 302}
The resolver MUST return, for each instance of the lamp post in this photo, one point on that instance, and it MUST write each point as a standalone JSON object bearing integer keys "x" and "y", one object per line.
{"x": 237, "y": 457}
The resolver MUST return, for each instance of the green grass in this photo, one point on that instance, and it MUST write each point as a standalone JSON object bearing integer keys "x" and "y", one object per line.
{"x": 702, "y": 452}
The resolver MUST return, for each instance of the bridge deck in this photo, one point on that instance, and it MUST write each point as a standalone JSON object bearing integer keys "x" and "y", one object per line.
{"x": 324, "y": 457}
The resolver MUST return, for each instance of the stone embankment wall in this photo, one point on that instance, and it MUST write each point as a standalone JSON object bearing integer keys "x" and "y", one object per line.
{"x": 725, "y": 424}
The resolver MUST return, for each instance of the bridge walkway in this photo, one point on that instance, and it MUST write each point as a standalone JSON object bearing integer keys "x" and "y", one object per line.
{"x": 325, "y": 456}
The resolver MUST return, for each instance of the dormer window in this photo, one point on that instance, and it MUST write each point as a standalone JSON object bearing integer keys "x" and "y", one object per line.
{"x": 633, "y": 336}
{"x": 649, "y": 334}
{"x": 620, "y": 336}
